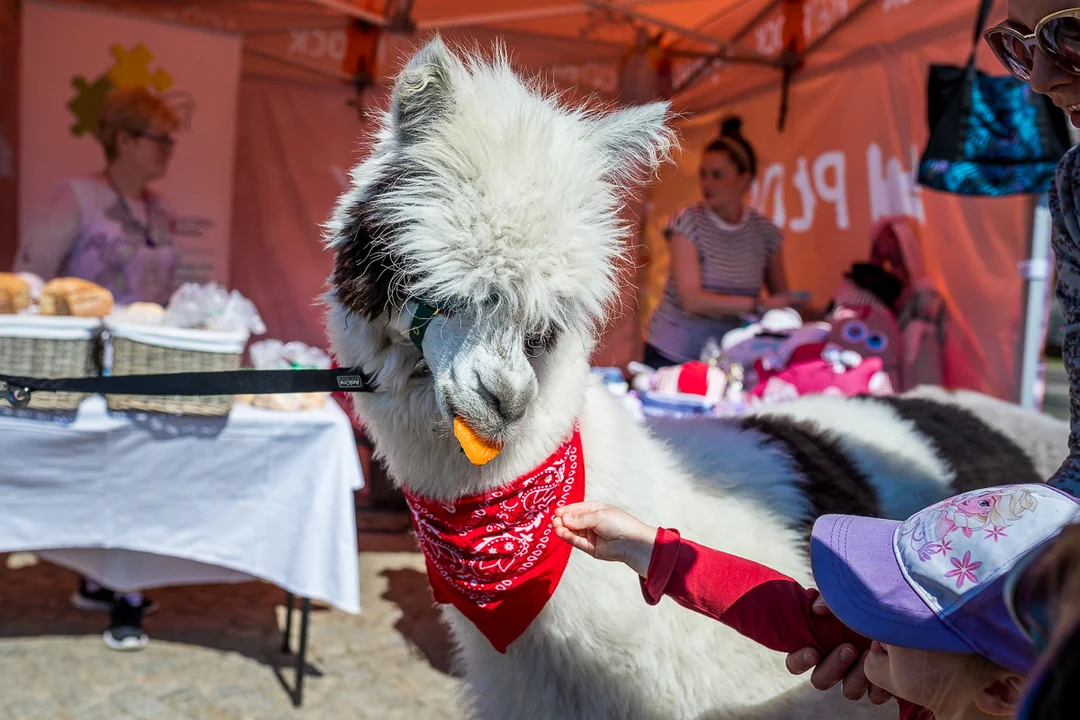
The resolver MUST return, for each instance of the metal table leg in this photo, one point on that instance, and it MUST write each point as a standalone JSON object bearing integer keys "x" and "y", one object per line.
{"x": 301, "y": 651}
{"x": 301, "y": 654}
{"x": 286, "y": 638}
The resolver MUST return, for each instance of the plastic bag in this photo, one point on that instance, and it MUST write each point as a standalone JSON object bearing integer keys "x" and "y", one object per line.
{"x": 212, "y": 307}
{"x": 276, "y": 355}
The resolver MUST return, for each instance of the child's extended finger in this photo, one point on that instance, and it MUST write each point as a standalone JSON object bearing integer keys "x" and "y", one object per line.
{"x": 582, "y": 520}
{"x": 577, "y": 541}
{"x": 578, "y": 508}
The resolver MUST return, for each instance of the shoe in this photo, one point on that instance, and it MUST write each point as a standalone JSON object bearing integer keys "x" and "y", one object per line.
{"x": 125, "y": 631}
{"x": 101, "y": 600}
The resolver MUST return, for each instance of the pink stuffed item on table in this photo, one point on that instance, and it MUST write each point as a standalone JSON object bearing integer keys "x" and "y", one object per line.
{"x": 837, "y": 375}
{"x": 872, "y": 332}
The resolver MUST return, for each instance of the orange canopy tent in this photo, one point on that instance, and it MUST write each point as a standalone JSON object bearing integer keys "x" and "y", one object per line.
{"x": 854, "y": 72}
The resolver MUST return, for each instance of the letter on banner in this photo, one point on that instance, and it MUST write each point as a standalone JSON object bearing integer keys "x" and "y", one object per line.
{"x": 893, "y": 190}
{"x": 806, "y": 192}
{"x": 297, "y": 42}
{"x": 835, "y": 193}
{"x": 336, "y": 43}
{"x": 772, "y": 179}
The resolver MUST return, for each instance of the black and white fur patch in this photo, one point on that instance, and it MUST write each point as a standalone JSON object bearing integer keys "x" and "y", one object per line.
{"x": 979, "y": 455}
{"x": 831, "y": 481}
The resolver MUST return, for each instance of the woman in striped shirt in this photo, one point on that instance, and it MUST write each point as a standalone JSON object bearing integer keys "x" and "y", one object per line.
{"x": 722, "y": 253}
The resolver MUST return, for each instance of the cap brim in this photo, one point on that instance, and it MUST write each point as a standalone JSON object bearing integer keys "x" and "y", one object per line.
{"x": 859, "y": 577}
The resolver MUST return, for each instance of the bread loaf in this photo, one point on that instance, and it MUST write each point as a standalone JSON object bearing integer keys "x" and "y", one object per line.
{"x": 14, "y": 294}
{"x": 75, "y": 297}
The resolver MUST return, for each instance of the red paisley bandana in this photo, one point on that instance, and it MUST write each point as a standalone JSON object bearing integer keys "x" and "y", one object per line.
{"x": 495, "y": 556}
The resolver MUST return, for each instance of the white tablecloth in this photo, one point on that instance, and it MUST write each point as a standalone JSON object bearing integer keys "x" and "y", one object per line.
{"x": 138, "y": 501}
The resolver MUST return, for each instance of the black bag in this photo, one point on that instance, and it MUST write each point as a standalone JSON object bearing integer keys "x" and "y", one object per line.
{"x": 989, "y": 136}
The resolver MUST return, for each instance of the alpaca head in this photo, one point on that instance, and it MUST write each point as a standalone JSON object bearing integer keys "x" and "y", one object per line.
{"x": 486, "y": 199}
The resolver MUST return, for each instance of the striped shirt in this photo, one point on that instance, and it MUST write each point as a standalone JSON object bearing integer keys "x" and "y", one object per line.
{"x": 733, "y": 260}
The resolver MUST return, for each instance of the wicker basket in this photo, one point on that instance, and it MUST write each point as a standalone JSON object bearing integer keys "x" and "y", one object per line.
{"x": 152, "y": 350}
{"x": 50, "y": 347}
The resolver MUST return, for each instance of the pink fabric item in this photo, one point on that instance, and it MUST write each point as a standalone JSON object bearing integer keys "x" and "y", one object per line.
{"x": 819, "y": 377}
{"x": 872, "y": 332}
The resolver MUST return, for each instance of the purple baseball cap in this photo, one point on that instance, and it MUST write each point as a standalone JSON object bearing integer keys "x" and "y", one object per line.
{"x": 934, "y": 582}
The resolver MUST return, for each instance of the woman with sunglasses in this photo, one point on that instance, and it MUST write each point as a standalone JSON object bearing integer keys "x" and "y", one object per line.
{"x": 1039, "y": 43}
{"x": 722, "y": 253}
{"x": 109, "y": 227}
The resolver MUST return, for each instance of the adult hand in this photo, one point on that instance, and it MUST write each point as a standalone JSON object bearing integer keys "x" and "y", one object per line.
{"x": 843, "y": 665}
{"x": 607, "y": 533}
{"x": 784, "y": 300}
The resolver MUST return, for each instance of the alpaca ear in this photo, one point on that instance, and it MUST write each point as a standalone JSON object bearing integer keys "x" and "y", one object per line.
{"x": 637, "y": 139}
{"x": 424, "y": 92}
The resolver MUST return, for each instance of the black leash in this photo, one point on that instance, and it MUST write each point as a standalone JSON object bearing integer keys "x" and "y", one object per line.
{"x": 231, "y": 382}
{"x": 17, "y": 390}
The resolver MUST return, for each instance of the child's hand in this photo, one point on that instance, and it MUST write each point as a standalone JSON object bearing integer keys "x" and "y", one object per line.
{"x": 607, "y": 533}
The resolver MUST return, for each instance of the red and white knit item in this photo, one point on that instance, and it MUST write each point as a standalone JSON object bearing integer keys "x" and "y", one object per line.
{"x": 495, "y": 556}
{"x": 692, "y": 378}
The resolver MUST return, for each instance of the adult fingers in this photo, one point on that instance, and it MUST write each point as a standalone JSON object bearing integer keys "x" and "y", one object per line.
{"x": 800, "y": 661}
{"x": 833, "y": 668}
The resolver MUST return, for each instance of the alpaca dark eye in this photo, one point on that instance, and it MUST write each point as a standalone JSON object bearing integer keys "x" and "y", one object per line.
{"x": 538, "y": 343}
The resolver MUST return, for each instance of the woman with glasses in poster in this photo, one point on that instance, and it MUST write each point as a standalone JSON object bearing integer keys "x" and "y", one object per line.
{"x": 109, "y": 227}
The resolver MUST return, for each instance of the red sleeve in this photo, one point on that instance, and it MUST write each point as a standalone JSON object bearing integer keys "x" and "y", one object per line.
{"x": 911, "y": 711}
{"x": 758, "y": 602}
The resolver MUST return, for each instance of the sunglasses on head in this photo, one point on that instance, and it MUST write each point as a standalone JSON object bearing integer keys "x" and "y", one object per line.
{"x": 1056, "y": 35}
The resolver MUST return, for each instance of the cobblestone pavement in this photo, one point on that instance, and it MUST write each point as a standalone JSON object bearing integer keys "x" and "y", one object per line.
{"x": 215, "y": 649}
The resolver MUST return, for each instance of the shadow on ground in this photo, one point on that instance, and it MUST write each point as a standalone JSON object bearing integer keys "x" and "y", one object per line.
{"x": 35, "y": 601}
{"x": 421, "y": 622}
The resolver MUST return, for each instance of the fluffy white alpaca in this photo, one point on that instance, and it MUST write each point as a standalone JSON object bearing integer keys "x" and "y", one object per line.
{"x": 485, "y": 198}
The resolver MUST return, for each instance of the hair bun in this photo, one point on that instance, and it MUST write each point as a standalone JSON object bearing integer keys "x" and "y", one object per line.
{"x": 731, "y": 127}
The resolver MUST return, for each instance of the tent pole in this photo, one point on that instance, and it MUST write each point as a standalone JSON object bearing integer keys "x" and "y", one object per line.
{"x": 754, "y": 21}
{"x": 283, "y": 29}
{"x": 298, "y": 64}
{"x": 507, "y": 16}
{"x": 346, "y": 8}
{"x": 730, "y": 50}
{"x": 530, "y": 35}
{"x": 859, "y": 9}
{"x": 1036, "y": 271}
{"x": 724, "y": 11}
{"x": 703, "y": 71}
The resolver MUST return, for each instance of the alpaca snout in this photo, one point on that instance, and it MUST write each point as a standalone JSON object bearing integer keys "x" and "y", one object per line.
{"x": 507, "y": 395}
{"x": 491, "y": 399}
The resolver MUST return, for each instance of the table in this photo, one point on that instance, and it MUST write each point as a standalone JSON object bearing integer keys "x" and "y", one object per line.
{"x": 138, "y": 501}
